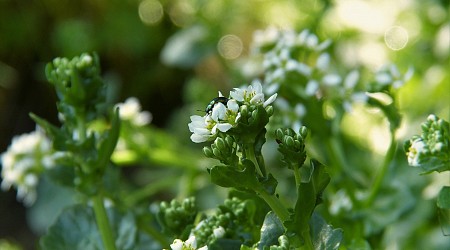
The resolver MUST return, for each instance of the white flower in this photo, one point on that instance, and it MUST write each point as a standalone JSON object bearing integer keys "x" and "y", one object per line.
{"x": 23, "y": 162}
{"x": 130, "y": 110}
{"x": 390, "y": 75}
{"x": 189, "y": 244}
{"x": 219, "y": 232}
{"x": 222, "y": 118}
{"x": 417, "y": 148}
{"x": 252, "y": 95}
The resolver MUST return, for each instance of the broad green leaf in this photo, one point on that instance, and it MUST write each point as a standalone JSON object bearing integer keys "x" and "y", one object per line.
{"x": 76, "y": 229}
{"x": 323, "y": 235}
{"x": 226, "y": 176}
{"x": 270, "y": 230}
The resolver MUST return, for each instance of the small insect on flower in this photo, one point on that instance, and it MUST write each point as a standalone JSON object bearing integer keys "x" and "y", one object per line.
{"x": 214, "y": 101}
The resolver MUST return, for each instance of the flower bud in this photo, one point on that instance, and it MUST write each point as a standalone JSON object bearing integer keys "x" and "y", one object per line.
{"x": 208, "y": 152}
{"x": 229, "y": 140}
{"x": 269, "y": 110}
{"x": 289, "y": 141}
{"x": 217, "y": 152}
{"x": 303, "y": 131}
{"x": 220, "y": 143}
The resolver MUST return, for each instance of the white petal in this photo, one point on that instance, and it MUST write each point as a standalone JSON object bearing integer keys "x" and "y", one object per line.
{"x": 303, "y": 69}
{"x": 220, "y": 94}
{"x": 331, "y": 79}
{"x": 199, "y": 138}
{"x": 270, "y": 100}
{"x": 311, "y": 87}
{"x": 257, "y": 86}
{"x": 383, "y": 78}
{"x": 232, "y": 105}
{"x": 224, "y": 127}
{"x": 177, "y": 245}
{"x": 237, "y": 94}
{"x": 351, "y": 79}
{"x": 258, "y": 98}
{"x": 191, "y": 241}
{"x": 323, "y": 61}
{"x": 218, "y": 112}
{"x": 201, "y": 131}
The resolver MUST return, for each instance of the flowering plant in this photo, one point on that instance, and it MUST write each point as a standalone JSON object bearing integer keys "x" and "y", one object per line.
{"x": 277, "y": 164}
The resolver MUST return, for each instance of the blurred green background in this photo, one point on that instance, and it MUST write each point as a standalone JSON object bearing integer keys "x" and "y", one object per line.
{"x": 174, "y": 55}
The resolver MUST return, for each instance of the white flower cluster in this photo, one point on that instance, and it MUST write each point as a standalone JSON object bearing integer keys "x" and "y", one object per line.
{"x": 130, "y": 110}
{"x": 23, "y": 162}
{"x": 390, "y": 75}
{"x": 300, "y": 63}
{"x": 189, "y": 244}
{"x": 223, "y": 117}
{"x": 434, "y": 142}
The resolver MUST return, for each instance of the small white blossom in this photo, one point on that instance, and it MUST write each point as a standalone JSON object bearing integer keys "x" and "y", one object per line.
{"x": 417, "y": 148}
{"x": 222, "y": 118}
{"x": 252, "y": 95}
{"x": 22, "y": 163}
{"x": 130, "y": 110}
{"x": 219, "y": 232}
{"x": 390, "y": 75}
{"x": 189, "y": 244}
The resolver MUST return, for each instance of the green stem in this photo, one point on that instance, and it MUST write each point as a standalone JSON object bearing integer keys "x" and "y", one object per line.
{"x": 308, "y": 243}
{"x": 297, "y": 175}
{"x": 274, "y": 204}
{"x": 250, "y": 154}
{"x": 149, "y": 190}
{"x": 383, "y": 170}
{"x": 103, "y": 223}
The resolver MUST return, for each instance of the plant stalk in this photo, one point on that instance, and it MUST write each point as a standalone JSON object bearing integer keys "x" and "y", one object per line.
{"x": 103, "y": 223}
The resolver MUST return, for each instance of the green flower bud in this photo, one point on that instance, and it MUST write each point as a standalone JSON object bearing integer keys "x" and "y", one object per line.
{"x": 303, "y": 131}
{"x": 208, "y": 152}
{"x": 289, "y": 141}
{"x": 220, "y": 143}
{"x": 217, "y": 153}
{"x": 269, "y": 110}
{"x": 230, "y": 141}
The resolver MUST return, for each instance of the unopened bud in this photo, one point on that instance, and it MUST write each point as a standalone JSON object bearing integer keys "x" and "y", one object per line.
{"x": 208, "y": 152}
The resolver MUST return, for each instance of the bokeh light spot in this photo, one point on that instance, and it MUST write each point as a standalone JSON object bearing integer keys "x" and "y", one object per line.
{"x": 230, "y": 47}
{"x": 150, "y": 11}
{"x": 396, "y": 37}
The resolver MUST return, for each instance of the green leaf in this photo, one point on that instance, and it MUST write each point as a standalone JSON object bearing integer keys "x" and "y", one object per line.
{"x": 76, "y": 229}
{"x": 58, "y": 136}
{"x": 226, "y": 176}
{"x": 308, "y": 196}
{"x": 443, "y": 199}
{"x": 107, "y": 145}
{"x": 323, "y": 235}
{"x": 271, "y": 229}
{"x": 224, "y": 244}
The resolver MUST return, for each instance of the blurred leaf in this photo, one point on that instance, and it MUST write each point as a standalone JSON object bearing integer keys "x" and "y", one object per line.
{"x": 323, "y": 235}
{"x": 443, "y": 200}
{"x": 187, "y": 47}
{"x": 76, "y": 229}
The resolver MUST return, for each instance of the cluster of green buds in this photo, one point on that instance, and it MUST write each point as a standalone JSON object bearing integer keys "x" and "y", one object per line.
{"x": 82, "y": 100}
{"x": 177, "y": 218}
{"x": 292, "y": 146}
{"x": 430, "y": 150}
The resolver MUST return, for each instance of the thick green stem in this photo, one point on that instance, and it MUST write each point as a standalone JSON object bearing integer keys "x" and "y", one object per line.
{"x": 383, "y": 170}
{"x": 308, "y": 243}
{"x": 274, "y": 204}
{"x": 103, "y": 223}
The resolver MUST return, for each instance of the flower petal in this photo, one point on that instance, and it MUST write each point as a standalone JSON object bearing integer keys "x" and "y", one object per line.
{"x": 224, "y": 127}
{"x": 270, "y": 100}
